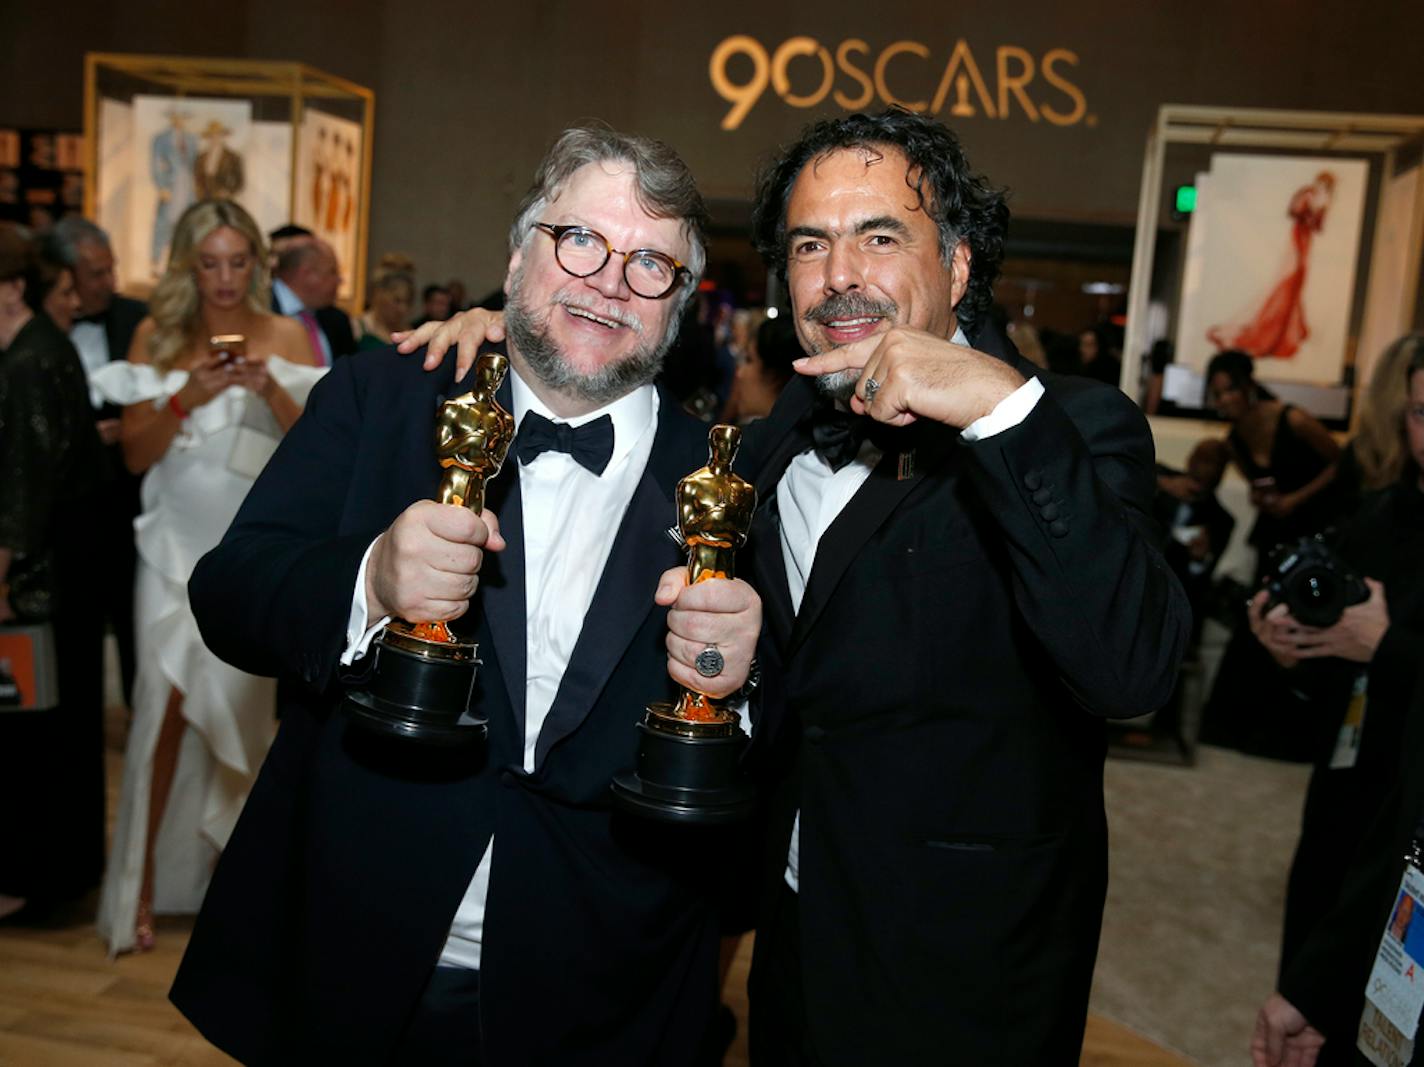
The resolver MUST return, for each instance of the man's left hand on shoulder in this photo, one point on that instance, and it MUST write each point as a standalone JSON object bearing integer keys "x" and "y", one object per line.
{"x": 919, "y": 376}
{"x": 722, "y": 612}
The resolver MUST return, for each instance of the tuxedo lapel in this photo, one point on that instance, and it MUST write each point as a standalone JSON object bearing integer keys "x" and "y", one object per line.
{"x": 783, "y": 440}
{"x": 624, "y": 594}
{"x": 501, "y": 596}
{"x": 769, "y": 571}
{"x": 502, "y": 588}
{"x": 888, "y": 485}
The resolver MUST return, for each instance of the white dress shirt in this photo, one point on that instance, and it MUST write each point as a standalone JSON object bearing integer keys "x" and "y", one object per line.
{"x": 570, "y": 517}
{"x": 92, "y": 342}
{"x": 810, "y": 496}
{"x": 288, "y": 302}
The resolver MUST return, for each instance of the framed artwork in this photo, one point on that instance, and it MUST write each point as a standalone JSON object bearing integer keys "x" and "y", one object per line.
{"x": 329, "y": 186}
{"x": 1271, "y": 262}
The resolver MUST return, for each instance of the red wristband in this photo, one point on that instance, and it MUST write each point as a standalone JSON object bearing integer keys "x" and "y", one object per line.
{"x": 176, "y": 406}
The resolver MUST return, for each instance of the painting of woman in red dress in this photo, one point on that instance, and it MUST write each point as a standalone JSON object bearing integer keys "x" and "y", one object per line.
{"x": 1279, "y": 327}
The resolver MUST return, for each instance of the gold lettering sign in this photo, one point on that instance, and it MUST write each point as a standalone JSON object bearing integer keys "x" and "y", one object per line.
{"x": 803, "y": 72}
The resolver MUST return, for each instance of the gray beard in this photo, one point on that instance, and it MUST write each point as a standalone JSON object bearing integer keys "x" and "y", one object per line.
{"x": 838, "y": 384}
{"x": 529, "y": 335}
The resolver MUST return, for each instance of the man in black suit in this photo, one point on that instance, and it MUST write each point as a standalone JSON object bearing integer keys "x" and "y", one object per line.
{"x": 960, "y": 581}
{"x": 103, "y": 330}
{"x": 362, "y": 911}
{"x": 305, "y": 281}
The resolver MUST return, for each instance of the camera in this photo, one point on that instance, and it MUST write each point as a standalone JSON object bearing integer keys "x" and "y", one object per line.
{"x": 1312, "y": 582}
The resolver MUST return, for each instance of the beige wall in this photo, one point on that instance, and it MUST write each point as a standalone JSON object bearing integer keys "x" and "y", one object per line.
{"x": 468, "y": 94}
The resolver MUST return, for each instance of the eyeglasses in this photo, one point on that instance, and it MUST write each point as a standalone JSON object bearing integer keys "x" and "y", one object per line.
{"x": 583, "y": 252}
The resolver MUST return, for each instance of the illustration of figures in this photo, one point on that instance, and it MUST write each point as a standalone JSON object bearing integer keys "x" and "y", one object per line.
{"x": 348, "y": 216}
{"x": 318, "y": 191}
{"x": 1279, "y": 327}
{"x": 330, "y": 191}
{"x": 171, "y": 164}
{"x": 217, "y": 172}
{"x": 337, "y": 186}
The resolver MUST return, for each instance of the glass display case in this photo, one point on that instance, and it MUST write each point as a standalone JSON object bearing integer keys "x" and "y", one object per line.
{"x": 290, "y": 143}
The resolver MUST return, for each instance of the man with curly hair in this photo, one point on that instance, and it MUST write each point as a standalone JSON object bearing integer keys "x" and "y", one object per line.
{"x": 960, "y": 583}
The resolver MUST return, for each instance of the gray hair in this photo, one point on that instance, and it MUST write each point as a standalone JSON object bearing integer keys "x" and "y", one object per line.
{"x": 665, "y": 188}
{"x": 69, "y": 233}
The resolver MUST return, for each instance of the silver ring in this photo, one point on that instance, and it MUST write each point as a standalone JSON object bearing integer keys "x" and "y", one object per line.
{"x": 871, "y": 388}
{"x": 709, "y": 662}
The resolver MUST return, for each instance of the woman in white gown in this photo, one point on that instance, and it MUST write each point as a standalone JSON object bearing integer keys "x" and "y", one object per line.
{"x": 201, "y": 421}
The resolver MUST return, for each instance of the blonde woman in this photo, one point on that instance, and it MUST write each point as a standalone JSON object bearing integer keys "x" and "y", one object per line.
{"x": 1379, "y": 452}
{"x": 200, "y": 418}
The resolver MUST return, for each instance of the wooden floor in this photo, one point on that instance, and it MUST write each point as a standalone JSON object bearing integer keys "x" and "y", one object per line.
{"x": 64, "y": 1003}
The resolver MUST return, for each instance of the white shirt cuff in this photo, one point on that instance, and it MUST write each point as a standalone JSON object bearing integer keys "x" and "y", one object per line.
{"x": 743, "y": 711}
{"x": 358, "y": 634}
{"x": 1007, "y": 414}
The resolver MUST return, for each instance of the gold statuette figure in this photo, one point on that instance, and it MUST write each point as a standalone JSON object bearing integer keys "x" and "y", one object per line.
{"x": 422, "y": 677}
{"x": 472, "y": 436}
{"x": 714, "y": 512}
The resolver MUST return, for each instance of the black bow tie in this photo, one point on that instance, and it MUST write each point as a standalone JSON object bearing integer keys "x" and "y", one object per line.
{"x": 837, "y": 435}
{"x": 590, "y": 445}
{"x": 98, "y": 318}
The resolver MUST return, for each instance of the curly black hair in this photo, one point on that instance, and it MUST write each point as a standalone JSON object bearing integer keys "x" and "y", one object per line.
{"x": 963, "y": 204}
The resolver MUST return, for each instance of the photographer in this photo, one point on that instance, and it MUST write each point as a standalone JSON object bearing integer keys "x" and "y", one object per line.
{"x": 1363, "y": 666}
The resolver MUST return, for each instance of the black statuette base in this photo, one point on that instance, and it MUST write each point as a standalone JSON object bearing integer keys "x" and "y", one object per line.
{"x": 421, "y": 698}
{"x": 686, "y": 779}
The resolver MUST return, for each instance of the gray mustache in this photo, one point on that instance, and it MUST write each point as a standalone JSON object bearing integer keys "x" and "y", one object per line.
{"x": 849, "y": 306}
{"x": 623, "y": 318}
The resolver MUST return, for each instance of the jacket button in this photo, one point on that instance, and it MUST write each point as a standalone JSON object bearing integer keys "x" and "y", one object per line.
{"x": 1050, "y": 512}
{"x": 1058, "y": 528}
{"x": 1042, "y": 496}
{"x": 1033, "y": 480}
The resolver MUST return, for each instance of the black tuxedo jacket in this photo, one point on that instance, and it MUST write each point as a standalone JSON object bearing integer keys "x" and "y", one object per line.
{"x": 335, "y": 895}
{"x": 120, "y": 322}
{"x": 933, "y": 712}
{"x": 335, "y": 324}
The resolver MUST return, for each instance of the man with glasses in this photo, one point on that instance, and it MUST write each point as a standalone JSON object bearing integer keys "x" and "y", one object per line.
{"x": 434, "y": 909}
{"x": 961, "y": 583}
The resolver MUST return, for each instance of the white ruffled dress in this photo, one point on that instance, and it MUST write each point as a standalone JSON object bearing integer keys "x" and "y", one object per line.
{"x": 189, "y": 498}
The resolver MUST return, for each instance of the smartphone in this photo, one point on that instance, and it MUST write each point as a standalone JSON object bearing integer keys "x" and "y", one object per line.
{"x": 228, "y": 347}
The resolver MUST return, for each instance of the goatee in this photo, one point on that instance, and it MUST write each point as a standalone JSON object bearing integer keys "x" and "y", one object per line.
{"x": 840, "y": 385}
{"x": 530, "y": 336}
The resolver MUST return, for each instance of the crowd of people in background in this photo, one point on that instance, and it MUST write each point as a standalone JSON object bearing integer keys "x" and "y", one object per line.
{"x": 82, "y": 372}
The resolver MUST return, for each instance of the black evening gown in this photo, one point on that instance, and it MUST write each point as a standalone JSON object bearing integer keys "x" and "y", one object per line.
{"x": 52, "y": 762}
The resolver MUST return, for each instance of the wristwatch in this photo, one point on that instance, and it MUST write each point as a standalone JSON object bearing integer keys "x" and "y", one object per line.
{"x": 750, "y": 686}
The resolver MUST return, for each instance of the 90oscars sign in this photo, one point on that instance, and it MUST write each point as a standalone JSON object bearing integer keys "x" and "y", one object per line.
{"x": 908, "y": 73}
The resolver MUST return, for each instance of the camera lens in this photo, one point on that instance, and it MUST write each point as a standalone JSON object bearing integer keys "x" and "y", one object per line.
{"x": 1315, "y": 597}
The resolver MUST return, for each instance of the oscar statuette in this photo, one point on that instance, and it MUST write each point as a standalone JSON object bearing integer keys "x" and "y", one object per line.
{"x": 422, "y": 676}
{"x": 689, "y": 751}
